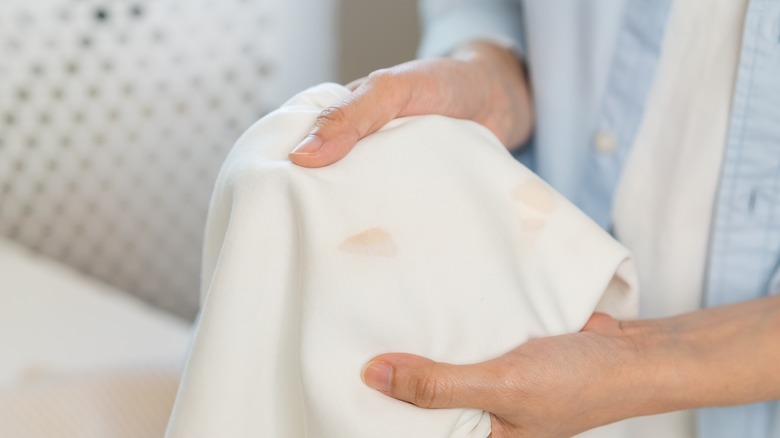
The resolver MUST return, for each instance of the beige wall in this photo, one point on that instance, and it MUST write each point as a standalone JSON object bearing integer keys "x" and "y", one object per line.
{"x": 376, "y": 34}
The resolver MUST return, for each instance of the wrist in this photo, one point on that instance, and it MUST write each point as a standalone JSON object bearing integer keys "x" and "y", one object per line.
{"x": 714, "y": 357}
{"x": 657, "y": 367}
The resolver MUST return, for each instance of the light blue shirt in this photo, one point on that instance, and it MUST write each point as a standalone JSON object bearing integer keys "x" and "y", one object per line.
{"x": 591, "y": 65}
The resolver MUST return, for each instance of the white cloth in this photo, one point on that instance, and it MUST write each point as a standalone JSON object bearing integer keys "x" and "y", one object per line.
{"x": 664, "y": 202}
{"x": 429, "y": 238}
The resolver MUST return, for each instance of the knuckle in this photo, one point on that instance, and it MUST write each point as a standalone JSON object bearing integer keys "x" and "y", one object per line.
{"x": 333, "y": 116}
{"x": 393, "y": 87}
{"x": 427, "y": 391}
{"x": 381, "y": 78}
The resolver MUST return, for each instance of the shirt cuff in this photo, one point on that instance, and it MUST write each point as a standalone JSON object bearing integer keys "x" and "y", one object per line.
{"x": 499, "y": 23}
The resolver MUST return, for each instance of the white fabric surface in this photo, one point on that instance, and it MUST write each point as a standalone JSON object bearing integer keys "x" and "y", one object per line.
{"x": 429, "y": 238}
{"x": 80, "y": 358}
{"x": 56, "y": 322}
{"x": 673, "y": 170}
{"x": 129, "y": 403}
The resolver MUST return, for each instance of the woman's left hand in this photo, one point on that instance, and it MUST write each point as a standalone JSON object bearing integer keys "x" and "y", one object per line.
{"x": 547, "y": 387}
{"x": 563, "y": 385}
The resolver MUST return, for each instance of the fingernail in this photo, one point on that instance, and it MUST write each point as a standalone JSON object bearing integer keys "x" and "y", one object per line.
{"x": 378, "y": 375}
{"x": 309, "y": 145}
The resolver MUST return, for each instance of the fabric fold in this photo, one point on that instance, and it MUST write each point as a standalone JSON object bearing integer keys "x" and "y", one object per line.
{"x": 429, "y": 238}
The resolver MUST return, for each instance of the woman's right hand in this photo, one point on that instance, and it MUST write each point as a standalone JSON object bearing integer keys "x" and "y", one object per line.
{"x": 481, "y": 81}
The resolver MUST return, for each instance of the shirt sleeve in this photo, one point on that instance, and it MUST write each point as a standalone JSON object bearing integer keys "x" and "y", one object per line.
{"x": 448, "y": 24}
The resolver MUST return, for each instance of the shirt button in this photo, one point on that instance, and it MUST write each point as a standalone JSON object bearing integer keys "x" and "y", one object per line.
{"x": 605, "y": 142}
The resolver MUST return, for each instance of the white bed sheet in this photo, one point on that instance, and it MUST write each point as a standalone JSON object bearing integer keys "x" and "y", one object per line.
{"x": 55, "y": 322}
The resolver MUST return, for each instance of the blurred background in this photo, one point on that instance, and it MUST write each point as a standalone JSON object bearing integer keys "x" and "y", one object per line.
{"x": 115, "y": 116}
{"x": 375, "y": 34}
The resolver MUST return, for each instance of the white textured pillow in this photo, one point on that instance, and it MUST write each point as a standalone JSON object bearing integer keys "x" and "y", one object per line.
{"x": 429, "y": 238}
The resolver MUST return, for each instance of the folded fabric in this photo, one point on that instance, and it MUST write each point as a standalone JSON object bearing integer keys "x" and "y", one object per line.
{"x": 429, "y": 238}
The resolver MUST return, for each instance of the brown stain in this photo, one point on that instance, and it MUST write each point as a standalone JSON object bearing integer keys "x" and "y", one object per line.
{"x": 532, "y": 224}
{"x": 535, "y": 194}
{"x": 374, "y": 241}
{"x": 530, "y": 229}
{"x": 535, "y": 201}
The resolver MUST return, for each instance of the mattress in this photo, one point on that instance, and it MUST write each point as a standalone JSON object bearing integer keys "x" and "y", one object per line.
{"x": 79, "y": 357}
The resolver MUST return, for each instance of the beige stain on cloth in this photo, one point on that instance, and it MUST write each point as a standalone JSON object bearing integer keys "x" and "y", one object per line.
{"x": 537, "y": 201}
{"x": 536, "y": 195}
{"x": 374, "y": 241}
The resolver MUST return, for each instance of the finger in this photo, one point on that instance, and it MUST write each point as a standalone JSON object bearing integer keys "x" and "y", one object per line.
{"x": 336, "y": 130}
{"x": 352, "y": 86}
{"x": 430, "y": 384}
{"x": 601, "y": 323}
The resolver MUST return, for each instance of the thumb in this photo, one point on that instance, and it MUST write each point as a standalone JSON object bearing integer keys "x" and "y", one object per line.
{"x": 430, "y": 384}
{"x": 339, "y": 127}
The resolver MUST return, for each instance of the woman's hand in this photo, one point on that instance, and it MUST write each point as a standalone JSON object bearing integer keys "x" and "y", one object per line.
{"x": 547, "y": 387}
{"x": 562, "y": 385}
{"x": 480, "y": 82}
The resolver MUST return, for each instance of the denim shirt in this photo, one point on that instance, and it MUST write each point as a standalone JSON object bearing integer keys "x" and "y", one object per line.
{"x": 591, "y": 65}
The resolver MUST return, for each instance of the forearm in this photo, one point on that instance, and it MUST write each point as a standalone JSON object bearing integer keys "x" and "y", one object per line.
{"x": 715, "y": 357}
